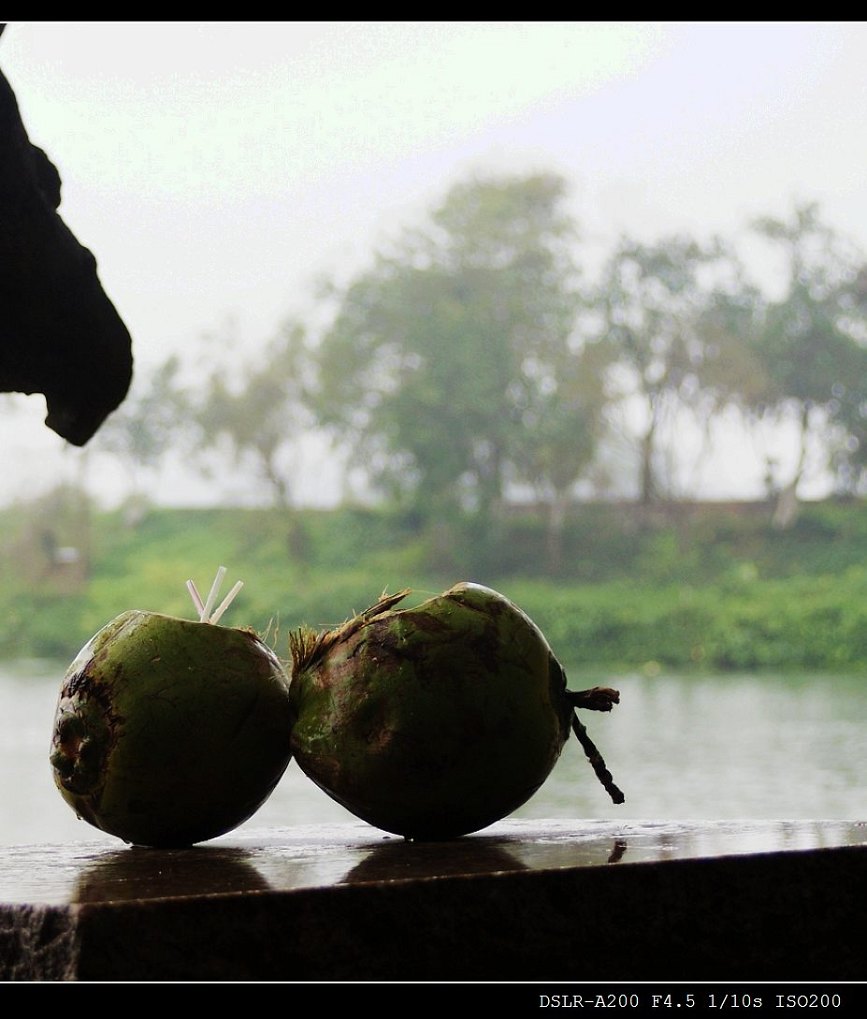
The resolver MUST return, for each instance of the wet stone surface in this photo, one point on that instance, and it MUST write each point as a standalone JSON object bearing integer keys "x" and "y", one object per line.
{"x": 521, "y": 900}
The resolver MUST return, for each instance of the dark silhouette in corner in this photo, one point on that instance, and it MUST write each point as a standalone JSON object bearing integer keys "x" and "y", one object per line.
{"x": 60, "y": 335}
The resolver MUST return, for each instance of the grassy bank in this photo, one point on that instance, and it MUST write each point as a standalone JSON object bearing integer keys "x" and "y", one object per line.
{"x": 709, "y": 587}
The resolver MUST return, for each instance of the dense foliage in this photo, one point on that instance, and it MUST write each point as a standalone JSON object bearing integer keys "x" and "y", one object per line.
{"x": 715, "y": 587}
{"x": 476, "y": 360}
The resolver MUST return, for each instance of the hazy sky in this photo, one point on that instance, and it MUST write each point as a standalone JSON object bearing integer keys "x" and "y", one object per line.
{"x": 216, "y": 169}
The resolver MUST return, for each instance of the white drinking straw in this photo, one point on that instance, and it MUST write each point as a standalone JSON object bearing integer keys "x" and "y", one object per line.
{"x": 212, "y": 594}
{"x": 227, "y": 601}
{"x": 197, "y": 600}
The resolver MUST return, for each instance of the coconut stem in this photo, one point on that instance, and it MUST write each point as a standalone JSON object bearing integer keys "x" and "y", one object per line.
{"x": 596, "y": 761}
{"x": 598, "y": 698}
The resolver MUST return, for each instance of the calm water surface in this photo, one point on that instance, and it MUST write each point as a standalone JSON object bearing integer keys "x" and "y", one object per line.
{"x": 717, "y": 748}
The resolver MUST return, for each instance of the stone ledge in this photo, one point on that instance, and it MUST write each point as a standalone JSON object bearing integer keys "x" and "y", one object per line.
{"x": 522, "y": 900}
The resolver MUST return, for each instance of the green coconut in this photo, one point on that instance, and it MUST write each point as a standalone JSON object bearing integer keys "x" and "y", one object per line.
{"x": 169, "y": 731}
{"x": 435, "y": 721}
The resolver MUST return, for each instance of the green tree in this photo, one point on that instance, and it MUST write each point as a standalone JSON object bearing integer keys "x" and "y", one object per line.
{"x": 259, "y": 410}
{"x": 562, "y": 423}
{"x": 673, "y": 313}
{"x": 849, "y": 401}
{"x": 810, "y": 345}
{"x": 438, "y": 370}
{"x": 150, "y": 423}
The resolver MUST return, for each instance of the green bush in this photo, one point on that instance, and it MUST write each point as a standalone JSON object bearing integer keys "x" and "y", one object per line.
{"x": 706, "y": 587}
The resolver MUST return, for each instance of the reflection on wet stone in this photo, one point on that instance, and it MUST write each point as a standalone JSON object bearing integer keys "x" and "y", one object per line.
{"x": 403, "y": 861}
{"x": 133, "y": 874}
{"x": 618, "y": 851}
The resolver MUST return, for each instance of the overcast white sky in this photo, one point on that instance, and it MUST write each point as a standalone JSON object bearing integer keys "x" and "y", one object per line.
{"x": 216, "y": 169}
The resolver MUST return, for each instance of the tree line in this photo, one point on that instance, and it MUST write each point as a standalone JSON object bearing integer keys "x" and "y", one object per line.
{"x": 476, "y": 358}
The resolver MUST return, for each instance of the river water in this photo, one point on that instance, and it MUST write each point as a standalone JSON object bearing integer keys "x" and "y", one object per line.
{"x": 680, "y": 747}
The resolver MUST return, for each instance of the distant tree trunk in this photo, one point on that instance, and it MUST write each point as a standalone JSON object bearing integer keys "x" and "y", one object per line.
{"x": 274, "y": 477}
{"x": 554, "y": 534}
{"x": 787, "y": 504}
{"x": 786, "y": 508}
{"x": 298, "y": 543}
{"x": 648, "y": 481}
